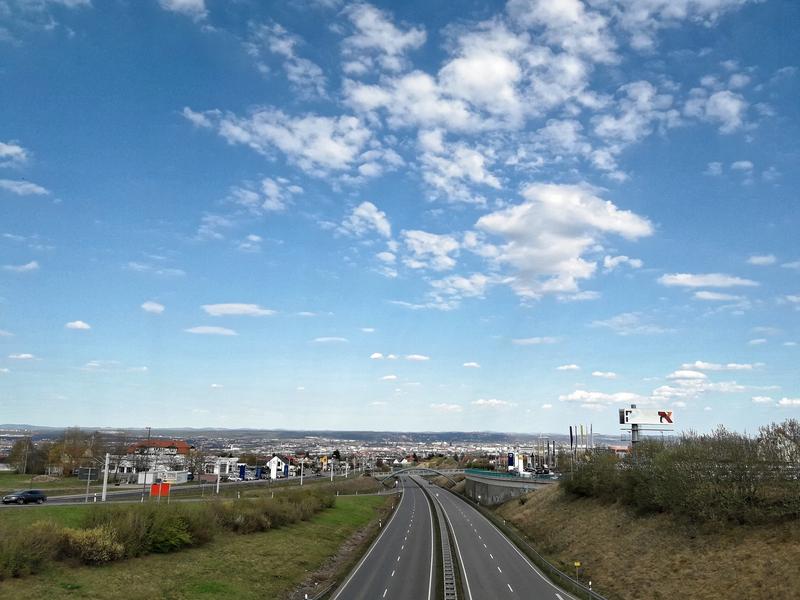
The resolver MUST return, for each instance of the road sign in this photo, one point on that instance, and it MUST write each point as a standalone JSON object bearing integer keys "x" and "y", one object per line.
{"x": 635, "y": 416}
{"x": 577, "y": 563}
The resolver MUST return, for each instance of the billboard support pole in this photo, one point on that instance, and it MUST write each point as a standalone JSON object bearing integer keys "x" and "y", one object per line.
{"x": 634, "y": 436}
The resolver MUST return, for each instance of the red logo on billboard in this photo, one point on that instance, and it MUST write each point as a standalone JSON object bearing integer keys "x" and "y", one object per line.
{"x": 665, "y": 416}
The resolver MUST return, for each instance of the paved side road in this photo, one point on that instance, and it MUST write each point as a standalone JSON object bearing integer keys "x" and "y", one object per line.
{"x": 399, "y": 564}
{"x": 493, "y": 567}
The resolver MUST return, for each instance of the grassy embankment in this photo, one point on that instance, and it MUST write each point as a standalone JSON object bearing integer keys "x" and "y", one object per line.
{"x": 261, "y": 565}
{"x": 659, "y": 557}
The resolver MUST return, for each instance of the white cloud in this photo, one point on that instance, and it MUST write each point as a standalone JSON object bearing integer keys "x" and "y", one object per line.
{"x": 368, "y": 329}
{"x": 704, "y": 280}
{"x": 160, "y": 271}
{"x": 365, "y": 218}
{"x": 761, "y": 259}
{"x": 389, "y": 378}
{"x": 236, "y": 309}
{"x": 571, "y": 367}
{"x": 725, "y": 108}
{"x": 717, "y": 296}
{"x": 4, "y": 333}
{"x": 792, "y": 265}
{"x": 742, "y": 165}
{"x": 306, "y": 77}
{"x": 687, "y": 374}
{"x": 547, "y": 236}
{"x": 12, "y": 154}
{"x": 417, "y": 357}
{"x": 471, "y": 365}
{"x": 376, "y": 356}
{"x": 612, "y": 262}
{"x": 762, "y": 400}
{"x": 547, "y": 406}
{"x": 713, "y": 168}
{"x": 216, "y": 386}
{"x": 270, "y": 195}
{"x": 22, "y": 188}
{"x": 206, "y": 330}
{"x": 789, "y": 402}
{"x": 534, "y": 341}
{"x": 631, "y": 323}
{"x": 429, "y": 250}
{"x": 757, "y": 342}
{"x": 153, "y": 307}
{"x": 330, "y": 340}
{"x": 26, "y": 268}
{"x": 376, "y": 39}
{"x": 195, "y": 9}
{"x": 708, "y": 366}
{"x": 594, "y": 400}
{"x": 251, "y": 243}
{"x": 23, "y": 356}
{"x": 444, "y": 407}
{"x": 317, "y": 144}
{"x": 492, "y": 403}
{"x": 78, "y": 325}
{"x": 604, "y": 374}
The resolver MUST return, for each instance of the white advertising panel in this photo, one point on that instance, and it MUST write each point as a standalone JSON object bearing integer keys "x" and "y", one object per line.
{"x": 636, "y": 416}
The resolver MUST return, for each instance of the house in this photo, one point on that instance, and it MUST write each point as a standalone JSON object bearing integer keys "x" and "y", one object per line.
{"x": 278, "y": 466}
{"x": 154, "y": 455}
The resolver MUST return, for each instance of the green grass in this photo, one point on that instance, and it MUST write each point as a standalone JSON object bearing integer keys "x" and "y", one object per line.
{"x": 262, "y": 565}
{"x": 66, "y": 515}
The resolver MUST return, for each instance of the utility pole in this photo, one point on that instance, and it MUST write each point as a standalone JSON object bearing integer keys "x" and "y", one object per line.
{"x": 88, "y": 479}
{"x": 634, "y": 436}
{"x": 105, "y": 478}
{"x": 302, "y": 464}
{"x": 144, "y": 479}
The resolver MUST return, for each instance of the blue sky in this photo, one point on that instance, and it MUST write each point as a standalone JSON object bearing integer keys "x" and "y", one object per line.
{"x": 420, "y": 215}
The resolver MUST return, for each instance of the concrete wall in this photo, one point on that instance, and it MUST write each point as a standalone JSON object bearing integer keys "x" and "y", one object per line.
{"x": 491, "y": 491}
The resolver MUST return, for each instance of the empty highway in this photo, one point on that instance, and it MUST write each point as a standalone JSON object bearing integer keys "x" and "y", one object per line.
{"x": 399, "y": 564}
{"x": 493, "y": 567}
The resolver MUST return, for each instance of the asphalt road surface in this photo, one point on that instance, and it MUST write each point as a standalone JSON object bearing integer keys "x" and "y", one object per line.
{"x": 399, "y": 564}
{"x": 493, "y": 566}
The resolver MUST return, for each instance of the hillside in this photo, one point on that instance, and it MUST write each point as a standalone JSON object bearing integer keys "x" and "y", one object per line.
{"x": 657, "y": 557}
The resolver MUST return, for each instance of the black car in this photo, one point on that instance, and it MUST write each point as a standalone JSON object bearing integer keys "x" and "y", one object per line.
{"x": 25, "y": 497}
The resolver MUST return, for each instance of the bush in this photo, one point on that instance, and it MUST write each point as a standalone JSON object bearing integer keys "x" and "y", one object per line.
{"x": 94, "y": 546}
{"x": 26, "y": 551}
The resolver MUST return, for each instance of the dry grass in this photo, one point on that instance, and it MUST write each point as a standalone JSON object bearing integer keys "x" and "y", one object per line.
{"x": 657, "y": 557}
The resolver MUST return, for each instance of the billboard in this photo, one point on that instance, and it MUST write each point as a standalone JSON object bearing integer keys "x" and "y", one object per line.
{"x": 636, "y": 416}
{"x": 510, "y": 459}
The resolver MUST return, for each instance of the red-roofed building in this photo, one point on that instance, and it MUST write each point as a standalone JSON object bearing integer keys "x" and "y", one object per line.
{"x": 155, "y": 455}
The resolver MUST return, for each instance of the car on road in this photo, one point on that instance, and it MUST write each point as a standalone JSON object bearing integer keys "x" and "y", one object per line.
{"x": 25, "y": 497}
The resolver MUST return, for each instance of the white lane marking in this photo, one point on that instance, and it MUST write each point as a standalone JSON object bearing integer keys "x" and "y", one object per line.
{"x": 484, "y": 545}
{"x": 398, "y": 558}
{"x": 375, "y": 543}
{"x": 499, "y": 569}
{"x": 392, "y": 574}
{"x": 403, "y": 547}
{"x": 559, "y": 596}
{"x": 458, "y": 549}
{"x": 492, "y": 555}
{"x": 510, "y": 588}
{"x": 384, "y": 592}
{"x": 517, "y": 550}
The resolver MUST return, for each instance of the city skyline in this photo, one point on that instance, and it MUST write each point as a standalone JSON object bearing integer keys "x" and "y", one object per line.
{"x": 492, "y": 217}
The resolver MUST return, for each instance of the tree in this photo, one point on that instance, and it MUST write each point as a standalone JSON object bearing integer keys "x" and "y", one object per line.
{"x": 337, "y": 455}
{"x": 27, "y": 457}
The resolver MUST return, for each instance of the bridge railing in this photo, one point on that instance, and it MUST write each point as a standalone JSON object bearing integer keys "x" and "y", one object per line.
{"x": 502, "y": 475}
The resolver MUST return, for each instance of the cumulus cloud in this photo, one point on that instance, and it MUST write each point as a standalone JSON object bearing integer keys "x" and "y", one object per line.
{"x": 612, "y": 262}
{"x": 22, "y": 188}
{"x": 789, "y": 402}
{"x": 444, "y": 407}
{"x": 571, "y": 367}
{"x": 604, "y": 374}
{"x": 330, "y": 340}
{"x": 77, "y": 325}
{"x": 269, "y": 195}
{"x": 762, "y": 260}
{"x": 687, "y": 374}
{"x": 601, "y": 400}
{"x": 236, "y": 309}
{"x": 492, "y": 403}
{"x": 376, "y": 356}
{"x": 546, "y": 237}
{"x": 377, "y": 41}
{"x": 389, "y": 378}
{"x": 417, "y": 357}
{"x": 471, "y": 365}
{"x": 709, "y": 366}
{"x": 691, "y": 280}
{"x": 26, "y": 268}
{"x": 717, "y": 296}
{"x": 196, "y": 9}
{"x": 209, "y": 330}
{"x": 429, "y": 250}
{"x": 12, "y": 154}
{"x": 153, "y": 307}
{"x": 23, "y": 356}
{"x": 317, "y": 144}
{"x": 366, "y": 218}
{"x": 631, "y": 323}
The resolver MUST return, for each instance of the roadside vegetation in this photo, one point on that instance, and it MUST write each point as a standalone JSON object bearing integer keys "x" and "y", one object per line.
{"x": 717, "y": 479}
{"x": 277, "y": 563}
{"x": 115, "y": 532}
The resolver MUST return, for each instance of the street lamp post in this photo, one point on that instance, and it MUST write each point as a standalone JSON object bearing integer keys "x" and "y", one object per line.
{"x": 144, "y": 479}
